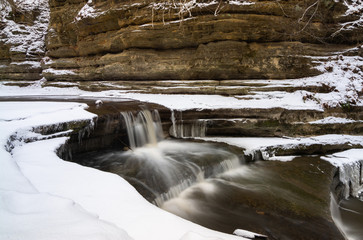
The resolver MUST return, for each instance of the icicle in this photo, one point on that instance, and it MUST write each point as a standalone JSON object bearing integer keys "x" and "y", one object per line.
{"x": 351, "y": 177}
{"x": 173, "y": 127}
{"x": 187, "y": 129}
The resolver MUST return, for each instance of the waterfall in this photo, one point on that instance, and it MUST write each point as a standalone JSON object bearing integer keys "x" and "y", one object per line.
{"x": 187, "y": 128}
{"x": 143, "y": 129}
{"x": 166, "y": 166}
{"x": 199, "y": 175}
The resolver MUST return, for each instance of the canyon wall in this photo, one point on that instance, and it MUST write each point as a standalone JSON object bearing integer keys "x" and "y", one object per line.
{"x": 200, "y": 39}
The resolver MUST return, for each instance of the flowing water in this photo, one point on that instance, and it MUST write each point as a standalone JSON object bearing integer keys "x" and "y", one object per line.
{"x": 158, "y": 168}
{"x": 211, "y": 185}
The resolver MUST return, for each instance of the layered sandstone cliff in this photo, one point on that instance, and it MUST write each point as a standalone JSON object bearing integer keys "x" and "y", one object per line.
{"x": 118, "y": 40}
{"x": 169, "y": 39}
{"x": 22, "y": 34}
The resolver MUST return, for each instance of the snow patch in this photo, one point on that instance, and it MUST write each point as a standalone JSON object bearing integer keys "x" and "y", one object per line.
{"x": 251, "y": 145}
{"x": 333, "y": 120}
{"x": 354, "y": 8}
{"x": 59, "y": 72}
{"x": 240, "y": 2}
{"x": 88, "y": 12}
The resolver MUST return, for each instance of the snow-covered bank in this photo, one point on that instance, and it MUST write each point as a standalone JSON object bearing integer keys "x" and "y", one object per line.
{"x": 44, "y": 197}
{"x": 26, "y": 212}
{"x": 349, "y": 162}
{"x": 251, "y": 144}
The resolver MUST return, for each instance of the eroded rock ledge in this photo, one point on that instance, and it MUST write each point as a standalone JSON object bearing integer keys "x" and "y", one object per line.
{"x": 132, "y": 40}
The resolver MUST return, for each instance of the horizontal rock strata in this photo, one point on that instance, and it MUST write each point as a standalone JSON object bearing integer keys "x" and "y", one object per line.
{"x": 134, "y": 40}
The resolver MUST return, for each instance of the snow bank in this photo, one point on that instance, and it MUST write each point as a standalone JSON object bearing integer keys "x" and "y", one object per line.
{"x": 26, "y": 212}
{"x": 251, "y": 144}
{"x": 176, "y": 101}
{"x": 44, "y": 197}
{"x": 59, "y": 72}
{"x": 263, "y": 100}
{"x": 333, "y": 120}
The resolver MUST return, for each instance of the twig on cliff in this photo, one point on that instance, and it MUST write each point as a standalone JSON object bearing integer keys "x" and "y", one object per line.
{"x": 282, "y": 9}
{"x": 218, "y": 9}
{"x": 311, "y": 17}
{"x": 306, "y": 10}
{"x": 152, "y": 17}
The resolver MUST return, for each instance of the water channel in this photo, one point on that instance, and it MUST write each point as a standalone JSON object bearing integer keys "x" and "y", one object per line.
{"x": 211, "y": 184}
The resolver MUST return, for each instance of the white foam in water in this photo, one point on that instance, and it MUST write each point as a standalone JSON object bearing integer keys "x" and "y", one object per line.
{"x": 174, "y": 165}
{"x": 143, "y": 129}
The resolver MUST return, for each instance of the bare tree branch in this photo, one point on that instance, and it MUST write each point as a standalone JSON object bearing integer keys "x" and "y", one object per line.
{"x": 307, "y": 9}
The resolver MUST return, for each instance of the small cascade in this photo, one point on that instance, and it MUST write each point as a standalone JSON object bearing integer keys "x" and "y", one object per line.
{"x": 161, "y": 169}
{"x": 144, "y": 128}
{"x": 202, "y": 173}
{"x": 187, "y": 128}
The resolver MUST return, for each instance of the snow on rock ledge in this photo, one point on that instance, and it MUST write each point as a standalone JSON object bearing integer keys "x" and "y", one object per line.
{"x": 350, "y": 164}
{"x": 44, "y": 197}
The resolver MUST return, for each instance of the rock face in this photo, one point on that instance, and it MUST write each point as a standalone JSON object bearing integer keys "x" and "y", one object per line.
{"x": 22, "y": 34}
{"x": 134, "y": 40}
{"x": 148, "y": 40}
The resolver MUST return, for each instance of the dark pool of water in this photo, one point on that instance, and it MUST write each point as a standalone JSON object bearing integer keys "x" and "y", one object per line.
{"x": 284, "y": 200}
{"x": 351, "y": 213}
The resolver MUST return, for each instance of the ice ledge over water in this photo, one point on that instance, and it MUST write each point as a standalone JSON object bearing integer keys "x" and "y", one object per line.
{"x": 350, "y": 164}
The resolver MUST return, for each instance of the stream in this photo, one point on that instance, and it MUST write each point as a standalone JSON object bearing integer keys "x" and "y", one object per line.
{"x": 211, "y": 184}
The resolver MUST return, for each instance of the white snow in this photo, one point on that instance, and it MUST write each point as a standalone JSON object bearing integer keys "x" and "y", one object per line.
{"x": 59, "y": 72}
{"x": 271, "y": 100}
{"x": 240, "y": 2}
{"x": 341, "y": 74}
{"x": 345, "y": 157}
{"x": 34, "y": 64}
{"x": 25, "y": 38}
{"x": 251, "y": 144}
{"x": 333, "y": 120}
{"x": 88, "y": 12}
{"x": 44, "y": 197}
{"x": 354, "y": 7}
{"x": 248, "y": 234}
{"x": 25, "y": 211}
{"x": 176, "y": 101}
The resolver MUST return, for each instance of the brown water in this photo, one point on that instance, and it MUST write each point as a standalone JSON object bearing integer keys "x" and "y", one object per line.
{"x": 284, "y": 200}
{"x": 351, "y": 213}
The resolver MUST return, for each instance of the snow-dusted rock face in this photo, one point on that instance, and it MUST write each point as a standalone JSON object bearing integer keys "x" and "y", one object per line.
{"x": 244, "y": 39}
{"x": 22, "y": 34}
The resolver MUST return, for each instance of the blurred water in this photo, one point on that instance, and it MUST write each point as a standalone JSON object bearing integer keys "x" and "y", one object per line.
{"x": 212, "y": 186}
